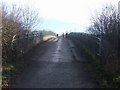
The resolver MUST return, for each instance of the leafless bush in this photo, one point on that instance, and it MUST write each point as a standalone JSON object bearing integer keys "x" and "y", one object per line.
{"x": 107, "y": 27}
{"x": 16, "y": 22}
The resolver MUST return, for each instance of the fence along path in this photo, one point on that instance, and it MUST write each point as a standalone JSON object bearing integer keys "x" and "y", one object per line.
{"x": 23, "y": 43}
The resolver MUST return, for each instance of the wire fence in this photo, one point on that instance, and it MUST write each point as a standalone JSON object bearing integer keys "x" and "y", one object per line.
{"x": 22, "y": 44}
{"x": 89, "y": 41}
{"x": 102, "y": 48}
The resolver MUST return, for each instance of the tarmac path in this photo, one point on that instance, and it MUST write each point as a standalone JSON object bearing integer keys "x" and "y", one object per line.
{"x": 53, "y": 66}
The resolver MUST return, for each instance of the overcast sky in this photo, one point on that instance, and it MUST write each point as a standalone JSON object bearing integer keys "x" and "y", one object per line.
{"x": 63, "y": 16}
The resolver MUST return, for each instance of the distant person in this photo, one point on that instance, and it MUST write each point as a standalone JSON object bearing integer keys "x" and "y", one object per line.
{"x": 66, "y": 35}
{"x": 57, "y": 35}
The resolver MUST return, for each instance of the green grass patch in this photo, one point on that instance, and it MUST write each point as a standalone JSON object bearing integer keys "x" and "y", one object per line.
{"x": 10, "y": 71}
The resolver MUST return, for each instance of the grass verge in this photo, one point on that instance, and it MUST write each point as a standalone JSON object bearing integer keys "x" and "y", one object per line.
{"x": 96, "y": 69}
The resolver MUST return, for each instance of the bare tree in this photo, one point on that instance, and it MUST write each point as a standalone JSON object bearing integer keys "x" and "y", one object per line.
{"x": 16, "y": 21}
{"x": 30, "y": 19}
{"x": 105, "y": 22}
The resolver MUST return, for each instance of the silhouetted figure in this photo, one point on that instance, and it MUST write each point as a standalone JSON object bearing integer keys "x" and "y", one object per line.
{"x": 66, "y": 35}
{"x": 57, "y": 35}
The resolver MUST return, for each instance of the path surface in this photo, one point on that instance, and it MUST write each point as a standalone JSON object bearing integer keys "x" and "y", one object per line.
{"x": 53, "y": 66}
